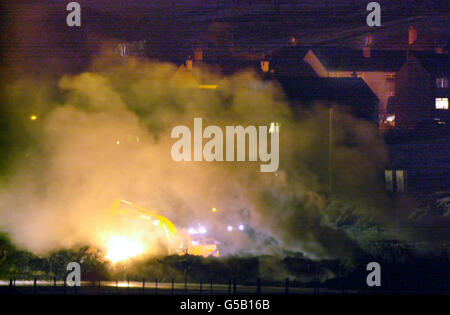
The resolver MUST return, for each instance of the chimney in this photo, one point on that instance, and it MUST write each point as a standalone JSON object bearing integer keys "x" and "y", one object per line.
{"x": 368, "y": 42}
{"x": 198, "y": 54}
{"x": 265, "y": 66}
{"x": 293, "y": 41}
{"x": 366, "y": 52}
{"x": 412, "y": 35}
{"x": 439, "y": 50}
{"x": 189, "y": 63}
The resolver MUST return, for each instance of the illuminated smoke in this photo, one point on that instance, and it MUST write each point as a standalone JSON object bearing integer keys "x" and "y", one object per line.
{"x": 105, "y": 134}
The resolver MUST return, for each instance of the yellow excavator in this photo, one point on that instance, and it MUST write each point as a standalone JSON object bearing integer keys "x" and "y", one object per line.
{"x": 132, "y": 230}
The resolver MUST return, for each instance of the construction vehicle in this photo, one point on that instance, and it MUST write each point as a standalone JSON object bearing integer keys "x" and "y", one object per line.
{"x": 132, "y": 230}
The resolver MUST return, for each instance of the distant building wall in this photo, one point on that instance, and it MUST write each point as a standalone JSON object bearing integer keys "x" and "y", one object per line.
{"x": 414, "y": 91}
{"x": 380, "y": 82}
{"x": 423, "y": 171}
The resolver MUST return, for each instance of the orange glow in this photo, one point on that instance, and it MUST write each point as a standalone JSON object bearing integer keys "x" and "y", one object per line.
{"x": 205, "y": 250}
{"x": 122, "y": 248}
{"x": 134, "y": 231}
{"x": 207, "y": 86}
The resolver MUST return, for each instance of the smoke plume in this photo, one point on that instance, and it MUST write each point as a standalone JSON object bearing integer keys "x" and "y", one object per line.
{"x": 105, "y": 134}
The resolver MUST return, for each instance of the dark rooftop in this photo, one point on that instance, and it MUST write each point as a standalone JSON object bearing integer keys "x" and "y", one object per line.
{"x": 435, "y": 64}
{"x": 228, "y": 66}
{"x": 289, "y": 61}
{"x": 352, "y": 92}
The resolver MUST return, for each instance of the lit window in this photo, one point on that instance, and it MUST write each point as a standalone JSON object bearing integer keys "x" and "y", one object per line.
{"x": 441, "y": 103}
{"x": 390, "y": 77}
{"x": 390, "y": 121}
{"x": 442, "y": 83}
{"x": 390, "y": 118}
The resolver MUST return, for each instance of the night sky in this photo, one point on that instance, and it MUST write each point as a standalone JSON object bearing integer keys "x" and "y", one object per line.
{"x": 36, "y": 34}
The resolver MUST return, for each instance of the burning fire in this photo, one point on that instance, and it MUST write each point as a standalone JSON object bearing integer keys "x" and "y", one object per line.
{"x": 122, "y": 248}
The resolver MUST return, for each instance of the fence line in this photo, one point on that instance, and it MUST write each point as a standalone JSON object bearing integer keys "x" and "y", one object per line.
{"x": 172, "y": 287}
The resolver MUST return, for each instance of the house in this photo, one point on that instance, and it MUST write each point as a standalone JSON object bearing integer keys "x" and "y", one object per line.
{"x": 224, "y": 65}
{"x": 183, "y": 78}
{"x": 209, "y": 74}
{"x": 377, "y": 68}
{"x": 420, "y": 170}
{"x": 302, "y": 87}
{"x": 422, "y": 90}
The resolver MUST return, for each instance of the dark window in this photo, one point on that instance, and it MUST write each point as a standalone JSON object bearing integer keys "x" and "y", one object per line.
{"x": 442, "y": 83}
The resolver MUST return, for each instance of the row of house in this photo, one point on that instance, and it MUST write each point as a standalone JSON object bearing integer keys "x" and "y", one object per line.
{"x": 406, "y": 86}
{"x": 400, "y": 89}
{"x": 405, "y": 90}
{"x": 300, "y": 90}
{"x": 411, "y": 86}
